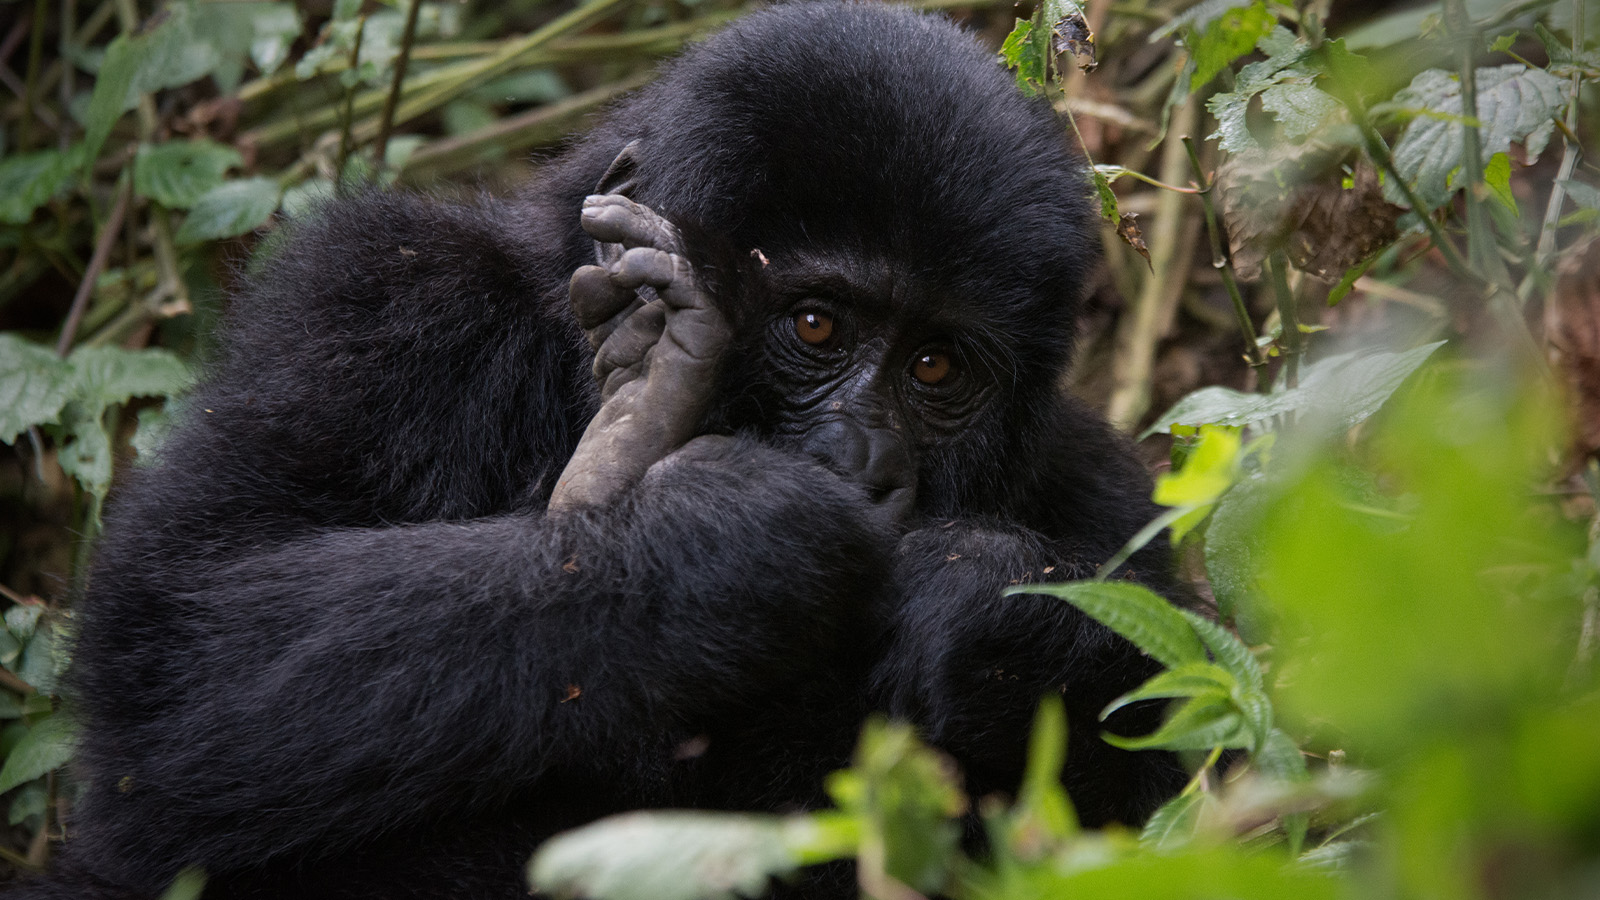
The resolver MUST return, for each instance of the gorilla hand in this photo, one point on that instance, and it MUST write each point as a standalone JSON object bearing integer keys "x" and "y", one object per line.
{"x": 658, "y": 341}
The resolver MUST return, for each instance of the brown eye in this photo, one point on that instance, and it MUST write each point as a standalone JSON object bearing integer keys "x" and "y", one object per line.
{"x": 932, "y": 368}
{"x": 813, "y": 328}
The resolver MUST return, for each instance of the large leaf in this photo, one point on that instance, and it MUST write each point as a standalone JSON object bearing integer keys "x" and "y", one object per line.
{"x": 34, "y": 385}
{"x": 229, "y": 210}
{"x": 1515, "y": 104}
{"x": 176, "y": 174}
{"x": 1341, "y": 390}
{"x": 106, "y": 376}
{"x": 670, "y": 856}
{"x": 46, "y": 747}
{"x": 1133, "y": 611}
{"x": 113, "y": 86}
{"x": 30, "y": 180}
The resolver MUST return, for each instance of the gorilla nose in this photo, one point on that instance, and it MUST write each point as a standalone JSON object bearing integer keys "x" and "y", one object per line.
{"x": 873, "y": 456}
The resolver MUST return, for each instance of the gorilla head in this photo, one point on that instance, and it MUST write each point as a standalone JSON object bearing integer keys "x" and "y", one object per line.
{"x": 896, "y": 238}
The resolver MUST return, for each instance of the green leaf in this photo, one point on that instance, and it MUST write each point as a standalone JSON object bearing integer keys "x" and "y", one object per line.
{"x": 34, "y": 386}
{"x": 1108, "y": 198}
{"x": 1133, "y": 611}
{"x": 229, "y": 210}
{"x": 112, "y": 87}
{"x": 1584, "y": 195}
{"x": 47, "y": 746}
{"x": 906, "y": 797}
{"x": 30, "y": 180}
{"x": 1200, "y": 724}
{"x": 86, "y": 455}
{"x": 1279, "y": 757}
{"x": 1497, "y": 176}
{"x": 176, "y": 174}
{"x": 1193, "y": 680}
{"x": 1207, "y": 473}
{"x": 1343, "y": 390}
{"x": 23, "y": 619}
{"x": 1043, "y": 815}
{"x": 30, "y": 801}
{"x": 669, "y": 856}
{"x": 189, "y": 885}
{"x": 1228, "y": 650}
{"x": 1174, "y": 824}
{"x": 43, "y": 661}
{"x": 155, "y": 422}
{"x": 1515, "y": 104}
{"x": 1022, "y": 54}
{"x": 107, "y": 376}
{"x": 1227, "y": 37}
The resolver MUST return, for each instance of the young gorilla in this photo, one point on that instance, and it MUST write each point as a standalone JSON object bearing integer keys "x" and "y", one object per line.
{"x": 426, "y": 576}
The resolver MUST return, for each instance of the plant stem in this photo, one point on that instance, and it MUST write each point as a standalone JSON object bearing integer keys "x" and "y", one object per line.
{"x": 349, "y": 113}
{"x": 1221, "y": 262}
{"x": 386, "y": 122}
{"x": 1569, "y": 156}
{"x": 97, "y": 262}
{"x": 1294, "y": 340}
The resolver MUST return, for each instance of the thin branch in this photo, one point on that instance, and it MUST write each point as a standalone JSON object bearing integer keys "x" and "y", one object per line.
{"x": 102, "y": 253}
{"x": 1221, "y": 261}
{"x": 386, "y": 123}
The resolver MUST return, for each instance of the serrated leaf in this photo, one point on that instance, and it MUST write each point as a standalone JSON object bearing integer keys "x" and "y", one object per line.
{"x": 1228, "y": 650}
{"x": 106, "y": 376}
{"x": 668, "y": 856}
{"x": 1200, "y": 724}
{"x": 30, "y": 180}
{"x": 1230, "y": 35}
{"x": 1344, "y": 390}
{"x": 1515, "y": 104}
{"x": 176, "y": 174}
{"x": 86, "y": 454}
{"x": 1133, "y": 611}
{"x": 34, "y": 386}
{"x": 1194, "y": 680}
{"x": 47, "y": 746}
{"x": 229, "y": 210}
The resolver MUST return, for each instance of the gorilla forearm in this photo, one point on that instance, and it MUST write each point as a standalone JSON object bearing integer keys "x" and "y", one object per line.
{"x": 471, "y": 658}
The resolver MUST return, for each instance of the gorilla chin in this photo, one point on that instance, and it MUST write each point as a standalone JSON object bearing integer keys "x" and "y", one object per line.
{"x": 727, "y": 432}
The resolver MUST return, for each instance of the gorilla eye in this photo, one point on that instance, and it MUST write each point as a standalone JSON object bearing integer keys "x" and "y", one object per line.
{"x": 814, "y": 328}
{"x": 932, "y": 368}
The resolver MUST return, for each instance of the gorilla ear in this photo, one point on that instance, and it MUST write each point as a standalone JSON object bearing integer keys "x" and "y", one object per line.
{"x": 619, "y": 177}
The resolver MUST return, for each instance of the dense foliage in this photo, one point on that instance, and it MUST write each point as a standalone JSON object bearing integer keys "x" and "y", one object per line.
{"x": 1366, "y": 306}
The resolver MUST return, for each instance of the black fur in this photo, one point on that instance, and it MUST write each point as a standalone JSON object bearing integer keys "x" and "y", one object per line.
{"x": 335, "y": 648}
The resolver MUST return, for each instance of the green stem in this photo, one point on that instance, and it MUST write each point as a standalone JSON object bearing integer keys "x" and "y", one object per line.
{"x": 348, "y": 117}
{"x": 1221, "y": 262}
{"x": 1294, "y": 340}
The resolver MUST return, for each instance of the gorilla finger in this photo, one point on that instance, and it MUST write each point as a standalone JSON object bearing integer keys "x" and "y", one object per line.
{"x": 627, "y": 343}
{"x": 596, "y": 298}
{"x": 649, "y": 266}
{"x": 612, "y": 218}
